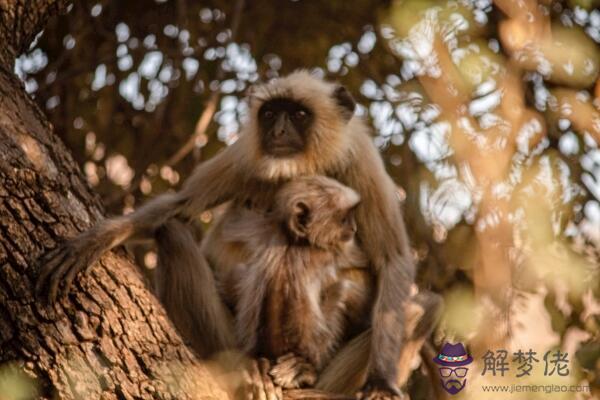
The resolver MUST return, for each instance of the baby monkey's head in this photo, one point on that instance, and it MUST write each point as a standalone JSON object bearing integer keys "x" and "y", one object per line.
{"x": 318, "y": 210}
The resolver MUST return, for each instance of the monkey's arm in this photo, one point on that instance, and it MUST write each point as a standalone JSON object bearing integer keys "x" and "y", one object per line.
{"x": 212, "y": 183}
{"x": 383, "y": 236}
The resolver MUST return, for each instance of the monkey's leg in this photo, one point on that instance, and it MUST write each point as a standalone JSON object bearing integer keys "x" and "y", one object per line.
{"x": 293, "y": 371}
{"x": 347, "y": 372}
{"x": 188, "y": 291}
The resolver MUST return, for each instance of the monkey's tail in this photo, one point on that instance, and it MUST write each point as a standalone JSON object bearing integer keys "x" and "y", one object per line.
{"x": 187, "y": 289}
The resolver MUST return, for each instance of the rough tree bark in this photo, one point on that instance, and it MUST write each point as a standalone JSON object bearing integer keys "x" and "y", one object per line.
{"x": 110, "y": 338}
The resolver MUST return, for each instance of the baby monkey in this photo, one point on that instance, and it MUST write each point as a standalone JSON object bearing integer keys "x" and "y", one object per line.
{"x": 306, "y": 281}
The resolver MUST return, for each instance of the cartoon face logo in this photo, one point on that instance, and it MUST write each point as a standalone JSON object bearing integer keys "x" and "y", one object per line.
{"x": 453, "y": 373}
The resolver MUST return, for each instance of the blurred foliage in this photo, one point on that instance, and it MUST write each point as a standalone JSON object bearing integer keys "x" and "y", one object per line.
{"x": 487, "y": 115}
{"x": 15, "y": 384}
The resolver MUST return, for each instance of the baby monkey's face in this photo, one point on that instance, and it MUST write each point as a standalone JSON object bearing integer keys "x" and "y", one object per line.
{"x": 319, "y": 210}
{"x": 335, "y": 227}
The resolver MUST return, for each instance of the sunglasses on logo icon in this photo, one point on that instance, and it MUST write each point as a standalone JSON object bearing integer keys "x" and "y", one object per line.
{"x": 459, "y": 372}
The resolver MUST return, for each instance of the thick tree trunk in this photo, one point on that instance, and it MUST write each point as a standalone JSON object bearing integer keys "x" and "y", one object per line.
{"x": 110, "y": 338}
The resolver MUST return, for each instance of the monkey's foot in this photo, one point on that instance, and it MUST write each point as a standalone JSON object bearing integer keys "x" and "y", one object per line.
{"x": 292, "y": 372}
{"x": 260, "y": 385}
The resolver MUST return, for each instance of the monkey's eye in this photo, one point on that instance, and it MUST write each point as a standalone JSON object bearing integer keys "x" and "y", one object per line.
{"x": 300, "y": 114}
{"x": 268, "y": 114}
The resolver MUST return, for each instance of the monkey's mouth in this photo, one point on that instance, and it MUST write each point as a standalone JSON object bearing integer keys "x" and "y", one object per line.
{"x": 282, "y": 150}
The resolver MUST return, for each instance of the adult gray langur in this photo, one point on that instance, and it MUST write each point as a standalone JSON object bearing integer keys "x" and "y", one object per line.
{"x": 299, "y": 125}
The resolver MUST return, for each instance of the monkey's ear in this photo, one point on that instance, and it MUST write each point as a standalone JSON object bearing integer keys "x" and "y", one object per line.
{"x": 345, "y": 100}
{"x": 300, "y": 219}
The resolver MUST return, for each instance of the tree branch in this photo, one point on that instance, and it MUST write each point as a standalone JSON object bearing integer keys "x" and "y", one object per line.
{"x": 21, "y": 21}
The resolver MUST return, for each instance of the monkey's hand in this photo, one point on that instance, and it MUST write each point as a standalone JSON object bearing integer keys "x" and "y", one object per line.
{"x": 260, "y": 386}
{"x": 293, "y": 372}
{"x": 62, "y": 264}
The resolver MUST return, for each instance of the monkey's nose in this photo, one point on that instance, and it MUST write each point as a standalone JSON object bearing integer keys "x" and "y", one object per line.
{"x": 279, "y": 133}
{"x": 279, "y": 127}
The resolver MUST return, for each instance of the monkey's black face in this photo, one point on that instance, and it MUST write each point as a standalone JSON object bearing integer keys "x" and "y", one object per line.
{"x": 284, "y": 126}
